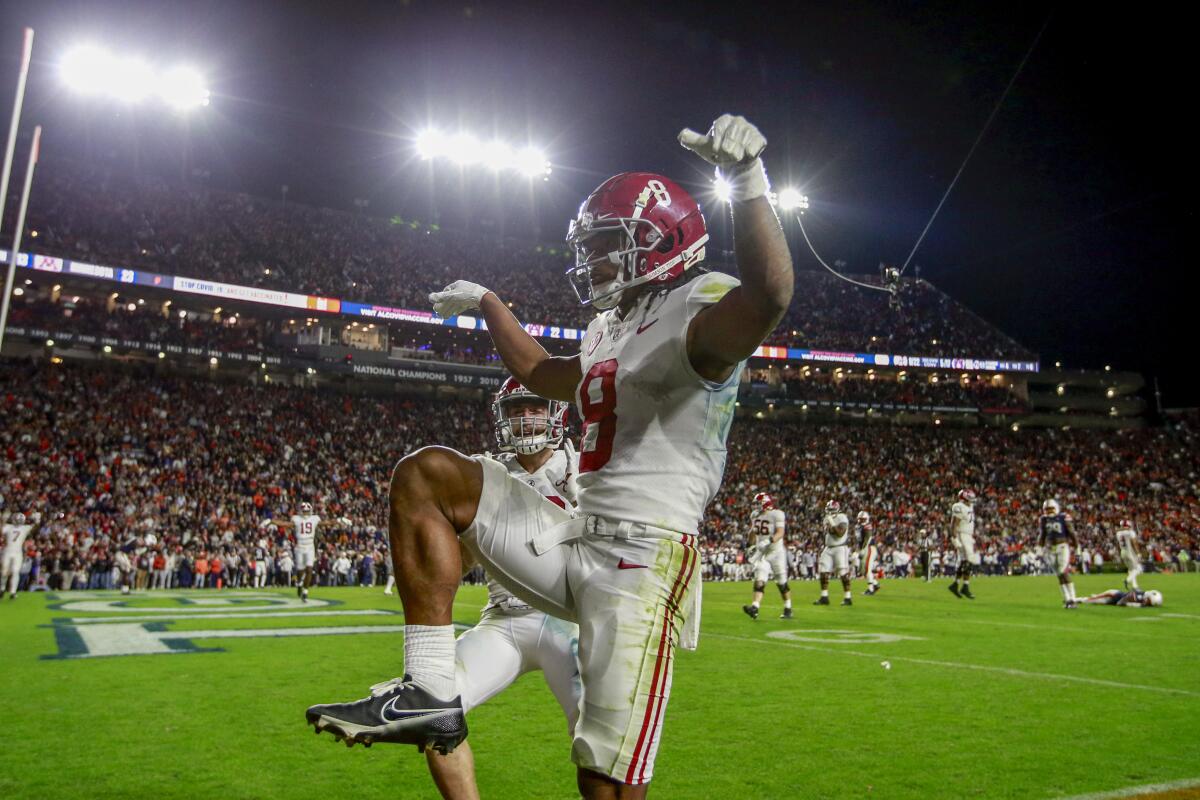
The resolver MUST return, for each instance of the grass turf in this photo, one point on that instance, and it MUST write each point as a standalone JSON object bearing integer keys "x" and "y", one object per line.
{"x": 1007, "y": 696}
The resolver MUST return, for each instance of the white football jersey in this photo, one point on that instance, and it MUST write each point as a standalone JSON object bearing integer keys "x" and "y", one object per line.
{"x": 1126, "y": 538}
{"x": 14, "y": 538}
{"x": 766, "y": 525}
{"x": 962, "y": 520}
{"x": 556, "y": 481}
{"x": 837, "y": 529}
{"x": 654, "y": 431}
{"x": 305, "y": 526}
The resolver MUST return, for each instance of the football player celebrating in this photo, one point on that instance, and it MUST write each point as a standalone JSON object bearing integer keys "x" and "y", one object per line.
{"x": 865, "y": 536}
{"x": 1127, "y": 545}
{"x": 512, "y": 637}
{"x": 1133, "y": 597}
{"x": 15, "y": 531}
{"x": 835, "y": 556}
{"x": 1057, "y": 536}
{"x": 305, "y": 526}
{"x": 769, "y": 557}
{"x": 962, "y": 536}
{"x": 655, "y": 384}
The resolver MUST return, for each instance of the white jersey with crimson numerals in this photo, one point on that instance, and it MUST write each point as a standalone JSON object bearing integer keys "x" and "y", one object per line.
{"x": 1126, "y": 538}
{"x": 306, "y": 528}
{"x": 14, "y": 539}
{"x": 766, "y": 525}
{"x": 654, "y": 431}
{"x": 962, "y": 520}
{"x": 555, "y": 480}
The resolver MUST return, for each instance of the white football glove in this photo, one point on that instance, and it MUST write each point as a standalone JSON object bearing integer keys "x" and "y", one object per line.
{"x": 456, "y": 298}
{"x": 733, "y": 146}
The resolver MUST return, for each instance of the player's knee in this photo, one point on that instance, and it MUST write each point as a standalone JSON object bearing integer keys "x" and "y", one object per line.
{"x": 421, "y": 473}
{"x": 783, "y": 588}
{"x": 759, "y": 585}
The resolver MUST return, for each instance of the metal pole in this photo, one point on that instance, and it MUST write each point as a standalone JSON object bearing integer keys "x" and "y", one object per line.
{"x": 26, "y": 51}
{"x": 16, "y": 247}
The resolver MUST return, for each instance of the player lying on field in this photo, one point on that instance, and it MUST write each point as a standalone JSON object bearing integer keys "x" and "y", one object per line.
{"x": 1134, "y": 597}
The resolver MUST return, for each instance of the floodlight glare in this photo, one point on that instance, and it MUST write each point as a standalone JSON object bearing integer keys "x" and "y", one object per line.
{"x": 531, "y": 162}
{"x": 183, "y": 88}
{"x": 790, "y": 198}
{"x": 464, "y": 149}
{"x": 722, "y": 190}
{"x": 86, "y": 69}
{"x": 429, "y": 143}
{"x": 497, "y": 156}
{"x": 130, "y": 79}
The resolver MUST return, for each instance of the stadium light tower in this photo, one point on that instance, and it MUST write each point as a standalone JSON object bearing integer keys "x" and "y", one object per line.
{"x": 91, "y": 70}
{"x": 466, "y": 149}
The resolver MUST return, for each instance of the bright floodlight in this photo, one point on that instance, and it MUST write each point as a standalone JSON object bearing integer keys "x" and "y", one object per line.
{"x": 496, "y": 155}
{"x": 429, "y": 143}
{"x": 464, "y": 149}
{"x": 86, "y": 69}
{"x": 722, "y": 190}
{"x": 531, "y": 162}
{"x": 183, "y": 88}
{"x": 790, "y": 198}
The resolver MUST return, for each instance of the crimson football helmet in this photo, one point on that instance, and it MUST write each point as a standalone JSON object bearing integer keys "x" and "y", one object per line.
{"x": 833, "y": 507}
{"x": 661, "y": 235}
{"x": 524, "y": 434}
{"x": 1125, "y": 525}
{"x": 967, "y": 496}
{"x": 763, "y": 501}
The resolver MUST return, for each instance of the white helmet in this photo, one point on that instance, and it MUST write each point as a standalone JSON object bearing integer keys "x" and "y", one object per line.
{"x": 863, "y": 518}
{"x": 1153, "y": 598}
{"x": 18, "y": 518}
{"x": 1050, "y": 507}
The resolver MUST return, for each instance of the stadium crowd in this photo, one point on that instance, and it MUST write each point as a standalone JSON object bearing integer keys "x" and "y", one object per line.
{"x": 181, "y": 475}
{"x": 89, "y": 213}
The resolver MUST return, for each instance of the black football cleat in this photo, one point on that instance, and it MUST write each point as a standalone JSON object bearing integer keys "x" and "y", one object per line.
{"x": 787, "y": 614}
{"x": 870, "y": 591}
{"x": 954, "y": 590}
{"x": 304, "y": 595}
{"x": 846, "y": 601}
{"x": 966, "y": 592}
{"x": 751, "y": 611}
{"x": 821, "y": 601}
{"x": 398, "y": 712}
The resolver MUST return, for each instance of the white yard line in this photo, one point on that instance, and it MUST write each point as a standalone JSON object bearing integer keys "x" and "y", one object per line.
{"x": 1133, "y": 791}
{"x": 166, "y": 617}
{"x": 1020, "y": 673}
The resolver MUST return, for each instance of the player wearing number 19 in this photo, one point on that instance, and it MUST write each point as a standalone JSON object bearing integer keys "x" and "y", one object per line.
{"x": 655, "y": 383}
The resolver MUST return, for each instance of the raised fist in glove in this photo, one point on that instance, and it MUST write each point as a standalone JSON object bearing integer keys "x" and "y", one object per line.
{"x": 733, "y": 146}
{"x": 456, "y": 298}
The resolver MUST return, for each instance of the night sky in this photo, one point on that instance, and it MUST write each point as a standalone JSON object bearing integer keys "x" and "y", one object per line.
{"x": 1066, "y": 228}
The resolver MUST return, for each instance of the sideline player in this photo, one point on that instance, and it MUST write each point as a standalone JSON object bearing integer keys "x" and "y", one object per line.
{"x": 865, "y": 536}
{"x": 1134, "y": 597}
{"x": 928, "y": 543}
{"x": 962, "y": 536}
{"x": 1127, "y": 544}
{"x": 16, "y": 531}
{"x": 655, "y": 384}
{"x": 835, "y": 556}
{"x": 770, "y": 555}
{"x": 512, "y": 637}
{"x": 1057, "y": 536}
{"x": 305, "y": 526}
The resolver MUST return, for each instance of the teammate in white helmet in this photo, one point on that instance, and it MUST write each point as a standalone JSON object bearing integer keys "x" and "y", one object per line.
{"x": 835, "y": 555}
{"x": 1127, "y": 539}
{"x": 768, "y": 554}
{"x": 15, "y": 531}
{"x": 962, "y": 536}
{"x": 304, "y": 527}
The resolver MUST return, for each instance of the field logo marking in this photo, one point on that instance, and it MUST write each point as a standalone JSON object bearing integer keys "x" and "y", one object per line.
{"x": 835, "y": 636}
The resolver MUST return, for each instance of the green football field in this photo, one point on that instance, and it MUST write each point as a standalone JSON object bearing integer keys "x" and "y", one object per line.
{"x": 1006, "y": 696}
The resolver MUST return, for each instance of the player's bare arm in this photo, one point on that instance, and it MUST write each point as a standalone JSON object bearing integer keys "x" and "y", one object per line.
{"x": 729, "y": 331}
{"x": 552, "y": 377}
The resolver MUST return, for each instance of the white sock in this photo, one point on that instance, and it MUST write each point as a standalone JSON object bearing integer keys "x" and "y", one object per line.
{"x": 391, "y": 582}
{"x": 756, "y": 603}
{"x": 1071, "y": 591}
{"x": 787, "y": 603}
{"x": 847, "y": 594}
{"x": 1133, "y": 583}
{"x": 1062, "y": 587}
{"x": 429, "y": 658}
{"x": 824, "y": 593}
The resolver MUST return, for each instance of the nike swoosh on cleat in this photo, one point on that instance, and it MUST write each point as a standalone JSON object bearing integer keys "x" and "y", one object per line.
{"x": 392, "y": 714}
{"x": 623, "y": 564}
{"x": 641, "y": 328}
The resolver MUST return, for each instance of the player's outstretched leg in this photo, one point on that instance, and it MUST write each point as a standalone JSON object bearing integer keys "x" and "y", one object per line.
{"x": 785, "y": 592}
{"x": 434, "y": 495}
